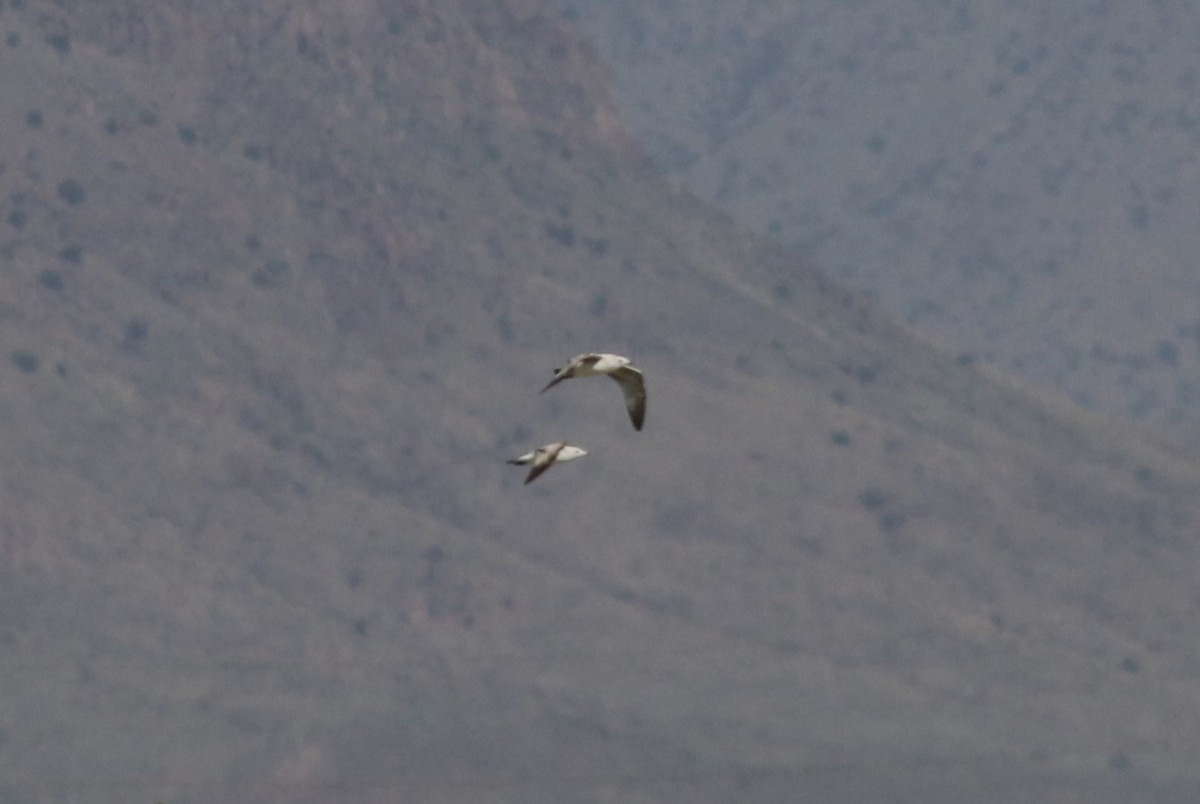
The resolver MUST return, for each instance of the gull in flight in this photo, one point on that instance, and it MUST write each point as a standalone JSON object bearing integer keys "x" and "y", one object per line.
{"x": 543, "y": 458}
{"x": 615, "y": 366}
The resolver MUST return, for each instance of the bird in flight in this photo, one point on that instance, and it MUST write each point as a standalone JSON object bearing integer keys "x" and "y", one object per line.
{"x": 620, "y": 369}
{"x": 543, "y": 458}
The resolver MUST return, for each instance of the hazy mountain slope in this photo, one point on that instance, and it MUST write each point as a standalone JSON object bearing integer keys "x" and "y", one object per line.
{"x": 1017, "y": 179}
{"x": 280, "y": 284}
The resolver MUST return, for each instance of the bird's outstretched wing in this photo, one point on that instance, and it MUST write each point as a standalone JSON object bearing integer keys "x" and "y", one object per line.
{"x": 633, "y": 385}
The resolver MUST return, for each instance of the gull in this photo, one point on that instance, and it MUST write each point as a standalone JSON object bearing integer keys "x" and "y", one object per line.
{"x": 620, "y": 369}
{"x": 543, "y": 458}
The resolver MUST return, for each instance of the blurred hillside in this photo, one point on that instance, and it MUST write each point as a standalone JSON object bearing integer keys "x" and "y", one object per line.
{"x": 279, "y": 285}
{"x": 1017, "y": 180}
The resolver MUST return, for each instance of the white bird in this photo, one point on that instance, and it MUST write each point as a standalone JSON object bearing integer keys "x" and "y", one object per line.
{"x": 543, "y": 458}
{"x": 620, "y": 369}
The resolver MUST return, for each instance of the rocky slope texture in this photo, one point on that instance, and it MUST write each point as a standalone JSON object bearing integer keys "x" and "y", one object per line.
{"x": 280, "y": 282}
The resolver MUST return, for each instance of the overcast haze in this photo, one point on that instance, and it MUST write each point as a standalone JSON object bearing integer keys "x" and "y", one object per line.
{"x": 1021, "y": 181}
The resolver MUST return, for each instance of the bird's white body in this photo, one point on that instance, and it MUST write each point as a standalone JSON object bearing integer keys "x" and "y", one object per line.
{"x": 604, "y": 364}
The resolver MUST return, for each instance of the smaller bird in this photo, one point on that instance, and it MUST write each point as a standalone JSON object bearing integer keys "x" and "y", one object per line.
{"x": 543, "y": 458}
{"x": 621, "y": 369}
